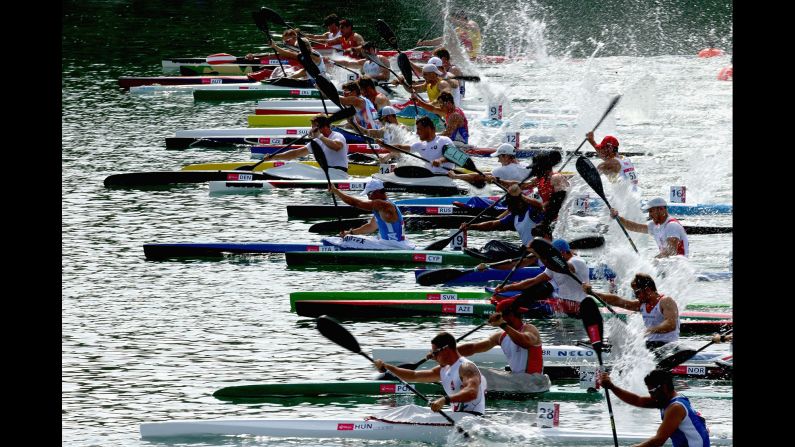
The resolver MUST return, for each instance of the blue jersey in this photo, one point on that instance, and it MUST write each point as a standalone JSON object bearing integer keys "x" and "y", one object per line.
{"x": 692, "y": 431}
{"x": 524, "y": 223}
{"x": 390, "y": 231}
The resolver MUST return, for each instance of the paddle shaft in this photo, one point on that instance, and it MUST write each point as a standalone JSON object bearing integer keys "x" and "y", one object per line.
{"x": 598, "y": 123}
{"x": 607, "y": 398}
{"x": 664, "y": 362}
{"x": 417, "y": 365}
{"x": 268, "y": 157}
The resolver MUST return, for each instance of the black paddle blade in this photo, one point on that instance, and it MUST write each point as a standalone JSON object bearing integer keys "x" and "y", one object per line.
{"x": 440, "y": 276}
{"x": 676, "y": 359}
{"x": 307, "y": 61}
{"x": 537, "y": 292}
{"x": 273, "y": 16}
{"x": 328, "y": 89}
{"x": 550, "y": 256}
{"x": 333, "y": 330}
{"x": 261, "y": 21}
{"x": 591, "y": 176}
{"x": 411, "y": 171}
{"x": 386, "y": 33}
{"x": 587, "y": 242}
{"x": 320, "y": 157}
{"x": 553, "y": 206}
{"x": 342, "y": 114}
{"x": 405, "y": 68}
{"x": 707, "y": 230}
{"x": 467, "y": 78}
{"x": 594, "y": 324}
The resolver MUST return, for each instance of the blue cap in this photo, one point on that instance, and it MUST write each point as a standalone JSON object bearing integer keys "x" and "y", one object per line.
{"x": 561, "y": 245}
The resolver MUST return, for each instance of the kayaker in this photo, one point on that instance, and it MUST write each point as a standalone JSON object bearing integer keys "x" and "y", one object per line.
{"x": 432, "y": 83}
{"x": 332, "y": 23}
{"x": 467, "y": 31}
{"x": 333, "y": 144}
{"x": 521, "y": 344}
{"x": 431, "y": 147}
{"x": 660, "y": 313}
{"x": 523, "y": 215}
{"x": 350, "y": 41}
{"x": 568, "y": 293}
{"x": 290, "y": 37}
{"x": 391, "y": 131}
{"x": 457, "y": 126}
{"x": 387, "y": 220}
{"x": 680, "y": 422}
{"x": 365, "y": 110}
{"x": 509, "y": 169}
{"x": 451, "y": 69}
{"x": 368, "y": 67}
{"x": 367, "y": 86}
{"x": 669, "y": 234}
{"x": 613, "y": 165}
{"x": 461, "y": 379}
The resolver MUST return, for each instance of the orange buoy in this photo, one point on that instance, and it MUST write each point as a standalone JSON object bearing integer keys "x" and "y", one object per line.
{"x": 710, "y": 52}
{"x": 726, "y": 74}
{"x": 221, "y": 58}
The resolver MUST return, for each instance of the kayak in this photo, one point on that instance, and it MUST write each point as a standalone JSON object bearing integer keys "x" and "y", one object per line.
{"x": 217, "y": 249}
{"x": 290, "y": 120}
{"x": 490, "y": 274}
{"x": 173, "y": 65}
{"x": 271, "y": 145}
{"x": 126, "y": 82}
{"x": 345, "y": 211}
{"x": 381, "y": 388}
{"x": 413, "y": 223}
{"x": 373, "y": 258}
{"x": 676, "y": 209}
{"x": 436, "y": 432}
{"x": 256, "y": 185}
{"x": 234, "y": 92}
{"x": 246, "y": 135}
{"x": 436, "y": 295}
{"x": 357, "y": 169}
{"x": 204, "y": 69}
{"x": 187, "y": 89}
{"x": 162, "y": 178}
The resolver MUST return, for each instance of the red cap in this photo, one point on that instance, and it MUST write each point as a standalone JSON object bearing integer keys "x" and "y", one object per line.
{"x": 608, "y": 140}
{"x": 506, "y": 304}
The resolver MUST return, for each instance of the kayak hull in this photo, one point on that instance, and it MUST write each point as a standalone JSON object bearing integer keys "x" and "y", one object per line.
{"x": 371, "y": 258}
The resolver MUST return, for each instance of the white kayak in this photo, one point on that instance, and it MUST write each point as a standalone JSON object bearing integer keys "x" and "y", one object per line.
{"x": 558, "y": 353}
{"x": 407, "y": 423}
{"x": 187, "y": 89}
{"x": 242, "y": 132}
{"x": 436, "y": 180}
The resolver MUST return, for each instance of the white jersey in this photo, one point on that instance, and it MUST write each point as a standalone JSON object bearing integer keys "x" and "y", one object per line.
{"x": 654, "y": 318}
{"x": 431, "y": 150}
{"x": 670, "y": 228}
{"x": 628, "y": 171}
{"x": 456, "y": 92}
{"x": 513, "y": 171}
{"x": 568, "y": 288}
{"x": 330, "y": 36}
{"x": 336, "y": 159}
{"x": 451, "y": 382}
{"x": 371, "y": 69}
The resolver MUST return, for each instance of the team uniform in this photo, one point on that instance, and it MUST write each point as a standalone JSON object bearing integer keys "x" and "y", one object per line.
{"x": 367, "y": 118}
{"x": 431, "y": 150}
{"x": 692, "y": 431}
{"x": 390, "y": 236}
{"x": 513, "y": 171}
{"x": 451, "y": 382}
{"x": 653, "y": 318}
{"x": 527, "y": 369}
{"x": 524, "y": 223}
{"x": 461, "y": 134}
{"x": 670, "y": 228}
{"x": 568, "y": 293}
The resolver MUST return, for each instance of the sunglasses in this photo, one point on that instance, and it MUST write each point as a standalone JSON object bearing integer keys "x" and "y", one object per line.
{"x": 655, "y": 389}
{"x": 436, "y": 352}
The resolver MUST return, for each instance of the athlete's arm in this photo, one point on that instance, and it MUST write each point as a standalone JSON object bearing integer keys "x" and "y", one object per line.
{"x": 426, "y": 375}
{"x": 671, "y": 245}
{"x": 630, "y": 225}
{"x": 671, "y": 314}
{"x": 524, "y": 284}
{"x": 671, "y": 419}
{"x": 470, "y": 382}
{"x": 484, "y": 345}
{"x": 627, "y": 396}
{"x": 615, "y": 300}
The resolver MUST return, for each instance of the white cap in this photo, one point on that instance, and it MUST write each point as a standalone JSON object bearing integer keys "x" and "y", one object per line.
{"x": 657, "y": 201}
{"x": 430, "y": 68}
{"x": 373, "y": 185}
{"x": 386, "y": 111}
{"x": 504, "y": 149}
{"x": 436, "y": 61}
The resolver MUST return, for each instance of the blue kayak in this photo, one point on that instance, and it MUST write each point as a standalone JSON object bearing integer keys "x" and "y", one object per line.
{"x": 488, "y": 275}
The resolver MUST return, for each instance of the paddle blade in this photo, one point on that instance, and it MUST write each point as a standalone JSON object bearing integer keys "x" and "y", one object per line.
{"x": 591, "y": 176}
{"x": 676, "y": 359}
{"x": 405, "y": 68}
{"x": 333, "y": 330}
{"x": 440, "y": 276}
{"x": 537, "y": 292}
{"x": 261, "y": 21}
{"x": 550, "y": 256}
{"x": 594, "y": 324}
{"x": 439, "y": 245}
{"x": 328, "y": 89}
{"x": 467, "y": 78}
{"x": 320, "y": 157}
{"x": 386, "y": 33}
{"x": 553, "y": 206}
{"x": 307, "y": 62}
{"x": 587, "y": 242}
{"x": 342, "y": 114}
{"x": 273, "y": 16}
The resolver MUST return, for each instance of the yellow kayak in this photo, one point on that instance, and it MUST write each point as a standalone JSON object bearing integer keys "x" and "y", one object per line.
{"x": 353, "y": 168}
{"x": 294, "y": 120}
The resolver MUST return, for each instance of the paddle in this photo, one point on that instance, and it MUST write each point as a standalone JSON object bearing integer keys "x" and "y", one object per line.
{"x": 442, "y": 276}
{"x": 684, "y": 355}
{"x": 320, "y": 157}
{"x": 610, "y": 107}
{"x": 333, "y": 330}
{"x": 402, "y": 60}
{"x": 553, "y": 260}
{"x": 336, "y": 116}
{"x": 588, "y": 172}
{"x": 416, "y": 365}
{"x": 594, "y": 326}
{"x": 262, "y": 24}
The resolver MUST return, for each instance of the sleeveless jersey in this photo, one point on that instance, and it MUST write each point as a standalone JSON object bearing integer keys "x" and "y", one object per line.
{"x": 520, "y": 359}
{"x": 433, "y": 92}
{"x": 390, "y": 231}
{"x": 654, "y": 318}
{"x": 462, "y": 133}
{"x": 455, "y": 91}
{"x": 371, "y": 69}
{"x": 628, "y": 171}
{"x": 367, "y": 119}
{"x": 692, "y": 431}
{"x": 545, "y": 188}
{"x": 524, "y": 223}
{"x": 330, "y": 36}
{"x": 451, "y": 382}
{"x": 661, "y": 233}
